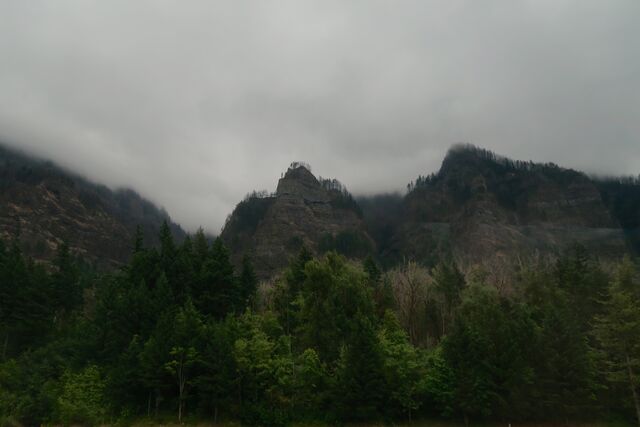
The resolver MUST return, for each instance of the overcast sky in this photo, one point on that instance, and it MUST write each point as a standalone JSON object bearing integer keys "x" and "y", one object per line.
{"x": 195, "y": 103}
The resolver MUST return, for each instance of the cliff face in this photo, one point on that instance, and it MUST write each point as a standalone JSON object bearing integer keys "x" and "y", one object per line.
{"x": 480, "y": 207}
{"x": 42, "y": 206}
{"x": 303, "y": 211}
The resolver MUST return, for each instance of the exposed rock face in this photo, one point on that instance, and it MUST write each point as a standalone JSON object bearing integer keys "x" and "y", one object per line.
{"x": 480, "y": 207}
{"x": 303, "y": 211}
{"x": 43, "y": 206}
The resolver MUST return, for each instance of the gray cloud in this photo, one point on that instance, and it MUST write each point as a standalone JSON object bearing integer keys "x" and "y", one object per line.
{"x": 195, "y": 103}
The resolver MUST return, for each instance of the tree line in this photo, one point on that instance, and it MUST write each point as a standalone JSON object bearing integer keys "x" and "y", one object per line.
{"x": 180, "y": 333}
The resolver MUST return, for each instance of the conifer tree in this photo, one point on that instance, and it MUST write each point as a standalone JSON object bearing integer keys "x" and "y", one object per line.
{"x": 618, "y": 333}
{"x": 402, "y": 367}
{"x": 217, "y": 293}
{"x": 200, "y": 249}
{"x": 167, "y": 250}
{"x": 362, "y": 387}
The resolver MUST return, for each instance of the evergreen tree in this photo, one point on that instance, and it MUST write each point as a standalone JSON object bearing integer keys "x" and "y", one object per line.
{"x": 216, "y": 382}
{"x": 184, "y": 355}
{"x": 217, "y": 293}
{"x": 288, "y": 292}
{"x": 200, "y": 249}
{"x": 403, "y": 368}
{"x": 153, "y": 358}
{"x": 168, "y": 253}
{"x": 491, "y": 373}
{"x": 333, "y": 293}
{"x": 372, "y": 270}
{"x": 618, "y": 333}
{"x": 362, "y": 388}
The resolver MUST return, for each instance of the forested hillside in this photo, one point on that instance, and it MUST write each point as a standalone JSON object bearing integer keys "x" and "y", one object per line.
{"x": 44, "y": 206}
{"x": 482, "y": 208}
{"x": 179, "y": 334}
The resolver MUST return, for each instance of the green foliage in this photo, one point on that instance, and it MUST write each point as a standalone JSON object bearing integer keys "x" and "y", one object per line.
{"x": 174, "y": 331}
{"x": 617, "y": 332}
{"x": 311, "y": 385}
{"x": 484, "y": 351}
{"x": 287, "y": 296}
{"x": 216, "y": 292}
{"x": 361, "y": 390}
{"x": 82, "y": 399}
{"x": 265, "y": 373}
{"x": 404, "y": 368}
{"x": 334, "y": 292}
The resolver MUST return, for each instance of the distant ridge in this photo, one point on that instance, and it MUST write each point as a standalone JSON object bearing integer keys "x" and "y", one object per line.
{"x": 479, "y": 207}
{"x": 483, "y": 207}
{"x": 42, "y": 205}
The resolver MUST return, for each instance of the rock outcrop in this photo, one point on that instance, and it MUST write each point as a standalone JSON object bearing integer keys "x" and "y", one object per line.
{"x": 319, "y": 214}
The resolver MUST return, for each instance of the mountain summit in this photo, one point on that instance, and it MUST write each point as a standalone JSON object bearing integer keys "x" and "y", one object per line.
{"x": 481, "y": 206}
{"x": 319, "y": 214}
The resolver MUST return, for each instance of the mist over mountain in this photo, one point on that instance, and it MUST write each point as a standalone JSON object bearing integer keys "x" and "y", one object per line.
{"x": 478, "y": 208}
{"x": 326, "y": 290}
{"x": 164, "y": 262}
{"x": 43, "y": 206}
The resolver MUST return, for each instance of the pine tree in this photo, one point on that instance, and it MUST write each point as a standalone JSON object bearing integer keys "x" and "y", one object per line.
{"x": 372, "y": 270}
{"x": 287, "y": 295}
{"x": 200, "y": 249}
{"x": 402, "y": 366}
{"x": 167, "y": 250}
{"x": 618, "y": 333}
{"x": 217, "y": 292}
{"x": 217, "y": 381}
{"x": 186, "y": 340}
{"x": 362, "y": 387}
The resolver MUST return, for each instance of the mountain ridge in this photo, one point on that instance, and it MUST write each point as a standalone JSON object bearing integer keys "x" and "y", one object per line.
{"x": 43, "y": 205}
{"x": 478, "y": 207}
{"x": 486, "y": 206}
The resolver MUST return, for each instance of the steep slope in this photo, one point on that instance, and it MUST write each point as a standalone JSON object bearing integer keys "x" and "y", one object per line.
{"x": 622, "y": 198}
{"x": 319, "y": 214}
{"x": 481, "y": 207}
{"x": 44, "y": 205}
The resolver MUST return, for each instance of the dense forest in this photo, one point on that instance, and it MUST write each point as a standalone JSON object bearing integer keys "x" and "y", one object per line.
{"x": 179, "y": 334}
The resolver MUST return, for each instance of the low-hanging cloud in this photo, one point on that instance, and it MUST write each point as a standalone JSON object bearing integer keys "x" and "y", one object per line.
{"x": 195, "y": 103}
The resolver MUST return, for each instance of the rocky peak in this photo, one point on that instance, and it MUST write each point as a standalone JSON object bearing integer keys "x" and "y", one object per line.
{"x": 298, "y": 181}
{"x": 317, "y": 213}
